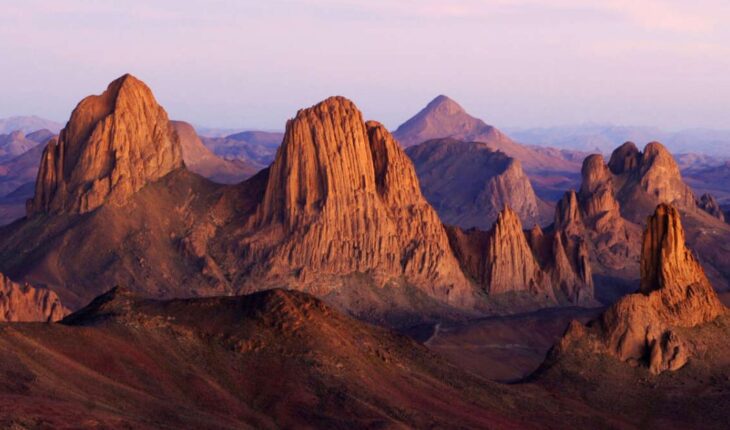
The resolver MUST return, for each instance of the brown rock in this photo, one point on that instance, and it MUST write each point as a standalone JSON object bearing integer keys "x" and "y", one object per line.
{"x": 674, "y": 293}
{"x": 343, "y": 198}
{"x": 113, "y": 145}
{"x": 468, "y": 183}
{"x": 26, "y": 303}
{"x": 708, "y": 204}
{"x": 511, "y": 265}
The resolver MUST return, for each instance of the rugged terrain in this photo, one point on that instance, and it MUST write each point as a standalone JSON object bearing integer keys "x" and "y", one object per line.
{"x": 551, "y": 171}
{"x": 267, "y": 360}
{"x": 468, "y": 183}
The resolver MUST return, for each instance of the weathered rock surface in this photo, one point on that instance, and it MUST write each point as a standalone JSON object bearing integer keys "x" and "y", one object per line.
{"x": 645, "y": 179}
{"x": 468, "y": 183}
{"x": 709, "y": 204}
{"x": 26, "y": 303}
{"x": 113, "y": 145}
{"x": 511, "y": 265}
{"x": 343, "y": 198}
{"x": 674, "y": 293}
{"x": 507, "y": 260}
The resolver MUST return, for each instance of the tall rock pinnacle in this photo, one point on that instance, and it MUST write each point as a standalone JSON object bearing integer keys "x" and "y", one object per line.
{"x": 113, "y": 145}
{"x": 342, "y": 197}
{"x": 640, "y": 328}
{"x": 511, "y": 265}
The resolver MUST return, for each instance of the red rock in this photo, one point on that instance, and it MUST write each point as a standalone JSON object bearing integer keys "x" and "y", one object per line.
{"x": 674, "y": 293}
{"x": 26, "y": 303}
{"x": 113, "y": 145}
{"x": 343, "y": 198}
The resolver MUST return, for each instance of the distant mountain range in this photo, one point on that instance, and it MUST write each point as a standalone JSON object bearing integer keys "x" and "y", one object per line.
{"x": 28, "y": 124}
{"x": 603, "y": 138}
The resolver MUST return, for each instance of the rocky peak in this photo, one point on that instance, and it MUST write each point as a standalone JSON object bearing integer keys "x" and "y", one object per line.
{"x": 709, "y": 204}
{"x": 674, "y": 292}
{"x": 661, "y": 178}
{"x": 26, "y": 303}
{"x": 444, "y": 105}
{"x": 468, "y": 183}
{"x": 511, "y": 264}
{"x": 113, "y": 145}
{"x": 441, "y": 118}
{"x": 567, "y": 214}
{"x": 342, "y": 198}
{"x": 625, "y": 158}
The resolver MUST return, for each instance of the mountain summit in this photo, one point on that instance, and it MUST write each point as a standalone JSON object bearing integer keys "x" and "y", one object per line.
{"x": 113, "y": 145}
{"x": 443, "y": 117}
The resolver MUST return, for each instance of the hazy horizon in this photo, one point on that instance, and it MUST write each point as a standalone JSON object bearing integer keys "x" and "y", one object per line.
{"x": 513, "y": 63}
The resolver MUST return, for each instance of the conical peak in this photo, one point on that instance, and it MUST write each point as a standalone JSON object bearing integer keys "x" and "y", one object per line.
{"x": 624, "y": 158}
{"x": 445, "y": 105}
{"x": 567, "y": 211}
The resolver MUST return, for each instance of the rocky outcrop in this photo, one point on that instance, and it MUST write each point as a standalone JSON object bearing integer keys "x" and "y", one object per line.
{"x": 645, "y": 179}
{"x": 343, "y": 198}
{"x": 468, "y": 183}
{"x": 444, "y": 118}
{"x": 591, "y": 218}
{"x": 510, "y": 263}
{"x": 26, "y": 303}
{"x": 708, "y": 204}
{"x": 641, "y": 328}
{"x": 113, "y": 145}
{"x": 506, "y": 259}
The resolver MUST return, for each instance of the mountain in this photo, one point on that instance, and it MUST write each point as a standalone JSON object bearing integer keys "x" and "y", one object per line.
{"x": 338, "y": 214}
{"x": 342, "y": 198}
{"x": 714, "y": 179}
{"x": 658, "y": 355}
{"x": 612, "y": 205}
{"x": 113, "y": 145}
{"x": 674, "y": 292}
{"x": 17, "y": 178}
{"x": 468, "y": 183}
{"x": 551, "y": 171}
{"x": 201, "y": 160}
{"x": 268, "y": 360}
{"x": 603, "y": 137}
{"x": 14, "y": 144}
{"x": 23, "y": 303}
{"x": 253, "y": 147}
{"x": 507, "y": 262}
{"x": 28, "y": 124}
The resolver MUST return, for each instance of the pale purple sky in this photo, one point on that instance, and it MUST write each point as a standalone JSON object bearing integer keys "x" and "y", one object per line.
{"x": 252, "y": 64}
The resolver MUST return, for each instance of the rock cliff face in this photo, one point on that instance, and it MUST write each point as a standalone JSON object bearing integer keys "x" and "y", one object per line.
{"x": 113, "y": 145}
{"x": 506, "y": 259}
{"x": 645, "y": 179}
{"x": 343, "y": 198}
{"x": 709, "y": 204}
{"x": 510, "y": 264}
{"x": 674, "y": 293}
{"x": 468, "y": 183}
{"x": 25, "y": 303}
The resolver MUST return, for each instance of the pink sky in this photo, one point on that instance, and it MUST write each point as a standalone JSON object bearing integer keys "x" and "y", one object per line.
{"x": 254, "y": 63}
